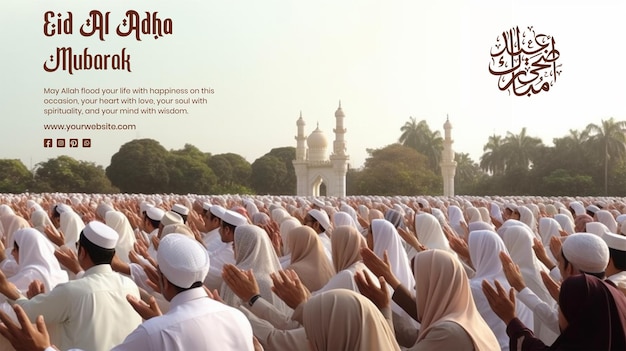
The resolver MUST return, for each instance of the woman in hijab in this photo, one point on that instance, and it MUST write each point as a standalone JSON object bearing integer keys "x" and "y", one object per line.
{"x": 484, "y": 248}
{"x": 548, "y": 228}
{"x": 346, "y": 244}
{"x": 343, "y": 320}
{"x": 36, "y": 261}
{"x": 605, "y": 217}
{"x": 308, "y": 258}
{"x": 519, "y": 242}
{"x": 443, "y": 303}
{"x": 566, "y": 223}
{"x": 592, "y": 316}
{"x": 118, "y": 221}
{"x": 254, "y": 251}
{"x": 285, "y": 230}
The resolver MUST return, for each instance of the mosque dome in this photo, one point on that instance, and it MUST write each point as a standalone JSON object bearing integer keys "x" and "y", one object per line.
{"x": 317, "y": 139}
{"x": 318, "y": 145}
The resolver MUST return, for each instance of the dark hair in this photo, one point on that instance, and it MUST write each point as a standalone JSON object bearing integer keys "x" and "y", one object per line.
{"x": 179, "y": 289}
{"x": 599, "y": 275}
{"x": 228, "y": 225}
{"x": 16, "y": 246}
{"x": 152, "y": 221}
{"x": 55, "y": 212}
{"x": 97, "y": 254}
{"x": 619, "y": 258}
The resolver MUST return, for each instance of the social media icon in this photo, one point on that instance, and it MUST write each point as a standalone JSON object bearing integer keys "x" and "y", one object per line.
{"x": 86, "y": 142}
{"x": 60, "y": 142}
{"x": 47, "y": 143}
{"x": 73, "y": 142}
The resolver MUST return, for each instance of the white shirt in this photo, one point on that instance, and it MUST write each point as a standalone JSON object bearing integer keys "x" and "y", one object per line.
{"x": 194, "y": 322}
{"x": 619, "y": 279}
{"x": 212, "y": 240}
{"x": 219, "y": 258}
{"x": 90, "y": 313}
{"x": 548, "y": 316}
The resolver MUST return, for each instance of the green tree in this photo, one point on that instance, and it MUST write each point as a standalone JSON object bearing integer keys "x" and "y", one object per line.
{"x": 268, "y": 173}
{"x": 189, "y": 175}
{"x": 609, "y": 142}
{"x": 140, "y": 166}
{"x": 419, "y": 137}
{"x": 520, "y": 149}
{"x": 468, "y": 174}
{"x": 14, "y": 177}
{"x": 397, "y": 170}
{"x": 286, "y": 155}
{"x": 65, "y": 174}
{"x": 492, "y": 159}
{"x": 232, "y": 171}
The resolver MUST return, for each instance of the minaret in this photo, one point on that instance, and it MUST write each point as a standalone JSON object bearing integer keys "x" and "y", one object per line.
{"x": 301, "y": 140}
{"x": 339, "y": 157}
{"x": 447, "y": 164}
{"x": 339, "y": 145}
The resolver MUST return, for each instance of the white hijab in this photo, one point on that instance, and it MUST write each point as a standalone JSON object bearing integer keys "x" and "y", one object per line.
{"x": 605, "y": 217}
{"x": 254, "y": 251}
{"x": 548, "y": 228}
{"x": 485, "y": 247}
{"x": 71, "y": 226}
{"x": 118, "y": 221}
{"x": 566, "y": 223}
{"x": 36, "y": 253}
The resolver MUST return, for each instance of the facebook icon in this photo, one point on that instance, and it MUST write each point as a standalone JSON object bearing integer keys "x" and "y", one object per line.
{"x": 47, "y": 143}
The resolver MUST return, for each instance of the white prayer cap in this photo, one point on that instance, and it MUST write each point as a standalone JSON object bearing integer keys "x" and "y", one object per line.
{"x": 144, "y": 206}
{"x": 588, "y": 252}
{"x": 593, "y": 208}
{"x": 318, "y": 203}
{"x": 597, "y": 228}
{"x": 615, "y": 241}
{"x": 206, "y": 206}
{"x": 322, "y": 218}
{"x": 511, "y": 206}
{"x": 234, "y": 218}
{"x": 171, "y": 217}
{"x": 182, "y": 260}
{"x": 180, "y": 209}
{"x": 155, "y": 213}
{"x": 101, "y": 235}
{"x": 217, "y": 211}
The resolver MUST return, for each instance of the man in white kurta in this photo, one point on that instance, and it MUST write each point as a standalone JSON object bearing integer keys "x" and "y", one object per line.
{"x": 194, "y": 321}
{"x": 90, "y": 313}
{"x": 616, "y": 269}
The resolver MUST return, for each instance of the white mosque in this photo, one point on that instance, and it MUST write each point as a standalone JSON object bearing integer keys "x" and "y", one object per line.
{"x": 313, "y": 165}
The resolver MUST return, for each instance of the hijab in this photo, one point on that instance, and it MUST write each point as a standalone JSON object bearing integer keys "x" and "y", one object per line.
{"x": 35, "y": 252}
{"x": 341, "y": 319}
{"x": 596, "y": 315}
{"x": 308, "y": 258}
{"x": 443, "y": 295}
{"x": 119, "y": 222}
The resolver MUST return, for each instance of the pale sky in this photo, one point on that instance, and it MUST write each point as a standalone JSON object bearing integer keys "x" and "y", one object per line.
{"x": 268, "y": 60}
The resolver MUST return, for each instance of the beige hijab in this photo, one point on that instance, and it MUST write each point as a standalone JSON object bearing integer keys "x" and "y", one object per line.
{"x": 341, "y": 319}
{"x": 308, "y": 258}
{"x": 444, "y": 295}
{"x": 346, "y": 244}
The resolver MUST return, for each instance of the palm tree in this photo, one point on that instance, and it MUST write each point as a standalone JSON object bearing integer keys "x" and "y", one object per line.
{"x": 609, "y": 140}
{"x": 410, "y": 134}
{"x": 520, "y": 149}
{"x": 492, "y": 160}
{"x": 418, "y": 136}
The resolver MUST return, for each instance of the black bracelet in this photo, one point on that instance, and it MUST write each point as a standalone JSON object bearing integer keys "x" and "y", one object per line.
{"x": 253, "y": 300}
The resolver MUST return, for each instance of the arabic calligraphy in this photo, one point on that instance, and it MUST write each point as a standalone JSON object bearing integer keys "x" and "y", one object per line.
{"x": 525, "y": 62}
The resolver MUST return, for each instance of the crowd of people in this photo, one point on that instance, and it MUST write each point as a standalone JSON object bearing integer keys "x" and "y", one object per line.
{"x": 196, "y": 272}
